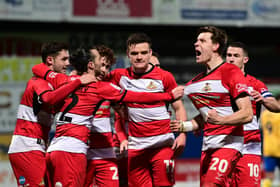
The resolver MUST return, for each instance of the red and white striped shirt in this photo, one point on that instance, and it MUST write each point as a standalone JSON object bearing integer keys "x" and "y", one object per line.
{"x": 76, "y": 115}
{"x": 101, "y": 137}
{"x": 217, "y": 90}
{"x": 34, "y": 117}
{"x": 148, "y": 123}
{"x": 252, "y": 134}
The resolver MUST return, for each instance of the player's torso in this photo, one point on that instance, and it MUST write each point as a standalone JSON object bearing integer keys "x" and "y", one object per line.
{"x": 148, "y": 123}
{"x": 145, "y": 119}
{"x": 101, "y": 138}
{"x": 34, "y": 118}
{"x": 252, "y": 135}
{"x": 209, "y": 91}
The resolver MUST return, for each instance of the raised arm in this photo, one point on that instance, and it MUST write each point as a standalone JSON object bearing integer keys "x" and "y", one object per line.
{"x": 43, "y": 71}
{"x": 53, "y": 97}
{"x": 147, "y": 97}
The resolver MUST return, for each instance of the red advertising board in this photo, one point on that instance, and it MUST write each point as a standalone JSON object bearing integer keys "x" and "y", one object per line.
{"x": 187, "y": 170}
{"x": 112, "y": 8}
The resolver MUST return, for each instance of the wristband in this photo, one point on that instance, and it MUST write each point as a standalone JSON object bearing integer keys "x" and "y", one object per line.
{"x": 186, "y": 126}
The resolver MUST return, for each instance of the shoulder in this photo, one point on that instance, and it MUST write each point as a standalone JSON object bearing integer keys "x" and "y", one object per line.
{"x": 119, "y": 70}
{"x": 116, "y": 73}
{"x": 37, "y": 80}
{"x": 230, "y": 67}
{"x": 39, "y": 84}
{"x": 253, "y": 80}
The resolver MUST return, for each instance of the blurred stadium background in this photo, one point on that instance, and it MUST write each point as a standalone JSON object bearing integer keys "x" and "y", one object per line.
{"x": 172, "y": 24}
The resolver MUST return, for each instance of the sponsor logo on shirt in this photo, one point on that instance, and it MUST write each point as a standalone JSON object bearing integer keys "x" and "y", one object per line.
{"x": 151, "y": 86}
{"x": 200, "y": 100}
{"x": 99, "y": 112}
{"x": 52, "y": 74}
{"x": 241, "y": 87}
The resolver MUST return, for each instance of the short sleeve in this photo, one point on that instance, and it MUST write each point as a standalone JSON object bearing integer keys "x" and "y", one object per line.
{"x": 234, "y": 79}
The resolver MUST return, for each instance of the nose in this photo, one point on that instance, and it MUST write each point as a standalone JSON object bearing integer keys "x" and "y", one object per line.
{"x": 230, "y": 59}
{"x": 67, "y": 62}
{"x": 139, "y": 56}
{"x": 195, "y": 44}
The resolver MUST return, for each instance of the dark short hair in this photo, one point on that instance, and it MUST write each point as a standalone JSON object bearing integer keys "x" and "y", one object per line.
{"x": 218, "y": 36}
{"x": 52, "y": 49}
{"x": 79, "y": 59}
{"x": 105, "y": 51}
{"x": 137, "y": 38}
{"x": 239, "y": 45}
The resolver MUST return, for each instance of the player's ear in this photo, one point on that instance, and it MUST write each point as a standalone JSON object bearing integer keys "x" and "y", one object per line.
{"x": 246, "y": 59}
{"x": 91, "y": 65}
{"x": 49, "y": 60}
{"x": 216, "y": 46}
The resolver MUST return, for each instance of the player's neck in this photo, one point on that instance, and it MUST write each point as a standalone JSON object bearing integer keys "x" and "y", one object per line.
{"x": 213, "y": 63}
{"x": 142, "y": 70}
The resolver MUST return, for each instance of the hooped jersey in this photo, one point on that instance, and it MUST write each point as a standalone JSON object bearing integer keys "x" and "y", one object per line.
{"x": 218, "y": 90}
{"x": 101, "y": 137}
{"x": 77, "y": 113}
{"x": 252, "y": 135}
{"x": 31, "y": 110}
{"x": 34, "y": 116}
{"x": 148, "y": 124}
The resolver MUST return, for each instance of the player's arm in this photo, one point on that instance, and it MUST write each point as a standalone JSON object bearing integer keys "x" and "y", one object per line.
{"x": 53, "y": 97}
{"x": 121, "y": 132}
{"x": 43, "y": 71}
{"x": 271, "y": 104}
{"x": 180, "y": 114}
{"x": 243, "y": 115}
{"x": 147, "y": 97}
{"x": 120, "y": 116}
{"x": 243, "y": 111}
{"x": 268, "y": 101}
{"x": 195, "y": 124}
{"x": 59, "y": 79}
{"x": 114, "y": 93}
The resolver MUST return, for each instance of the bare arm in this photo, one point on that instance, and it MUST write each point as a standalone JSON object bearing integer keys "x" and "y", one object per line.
{"x": 186, "y": 126}
{"x": 180, "y": 113}
{"x": 269, "y": 102}
{"x": 243, "y": 115}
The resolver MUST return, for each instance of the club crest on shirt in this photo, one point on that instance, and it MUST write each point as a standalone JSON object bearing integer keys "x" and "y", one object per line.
{"x": 151, "y": 86}
{"x": 206, "y": 87}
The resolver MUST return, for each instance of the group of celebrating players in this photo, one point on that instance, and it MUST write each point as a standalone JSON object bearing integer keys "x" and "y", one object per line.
{"x": 142, "y": 151}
